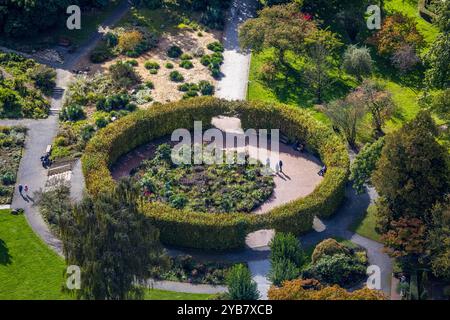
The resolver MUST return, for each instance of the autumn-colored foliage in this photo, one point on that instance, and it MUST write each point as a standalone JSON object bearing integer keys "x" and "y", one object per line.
{"x": 310, "y": 289}
{"x": 396, "y": 31}
{"x": 128, "y": 41}
{"x": 407, "y": 236}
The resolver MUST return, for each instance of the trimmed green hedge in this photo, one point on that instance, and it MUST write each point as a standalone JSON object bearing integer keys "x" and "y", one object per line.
{"x": 221, "y": 231}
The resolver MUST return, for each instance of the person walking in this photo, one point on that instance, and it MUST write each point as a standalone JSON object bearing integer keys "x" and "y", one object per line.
{"x": 281, "y": 165}
{"x": 26, "y": 190}
{"x": 20, "y": 189}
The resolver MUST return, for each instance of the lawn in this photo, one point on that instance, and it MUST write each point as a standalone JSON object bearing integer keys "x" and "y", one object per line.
{"x": 366, "y": 225}
{"x": 28, "y": 268}
{"x": 154, "y": 294}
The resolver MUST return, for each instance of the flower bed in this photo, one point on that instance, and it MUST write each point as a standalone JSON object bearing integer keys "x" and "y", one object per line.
{"x": 221, "y": 231}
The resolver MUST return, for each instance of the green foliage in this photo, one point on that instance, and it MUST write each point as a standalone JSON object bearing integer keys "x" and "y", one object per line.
{"x": 169, "y": 65}
{"x": 204, "y": 188}
{"x": 44, "y": 78}
{"x": 341, "y": 269}
{"x": 438, "y": 62}
{"x": 328, "y": 247}
{"x": 365, "y": 163}
{"x": 110, "y": 233}
{"x": 54, "y": 205}
{"x": 221, "y": 231}
{"x": 149, "y": 65}
{"x": 240, "y": 284}
{"x": 186, "y": 64}
{"x": 216, "y": 46}
{"x": 357, "y": 61}
{"x": 73, "y": 112}
{"x": 123, "y": 75}
{"x": 283, "y": 270}
{"x": 176, "y": 76}
{"x": 174, "y": 52}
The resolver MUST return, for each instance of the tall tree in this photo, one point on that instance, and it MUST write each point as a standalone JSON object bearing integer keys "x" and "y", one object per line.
{"x": 113, "y": 244}
{"x": 411, "y": 176}
{"x": 282, "y": 28}
{"x": 240, "y": 284}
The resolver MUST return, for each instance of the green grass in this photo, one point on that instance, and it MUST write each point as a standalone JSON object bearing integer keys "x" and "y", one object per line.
{"x": 410, "y": 8}
{"x": 366, "y": 225}
{"x": 154, "y": 294}
{"x": 28, "y": 268}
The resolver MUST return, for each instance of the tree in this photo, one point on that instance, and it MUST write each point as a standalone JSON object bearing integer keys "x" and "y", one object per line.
{"x": 378, "y": 101}
{"x": 405, "y": 58}
{"x": 440, "y": 104}
{"x": 310, "y": 289}
{"x": 357, "y": 61}
{"x": 282, "y": 28}
{"x": 240, "y": 284}
{"x": 412, "y": 175}
{"x": 346, "y": 115}
{"x": 397, "y": 30}
{"x": 286, "y": 258}
{"x": 112, "y": 242}
{"x": 365, "y": 163}
{"x": 438, "y": 240}
{"x": 437, "y": 60}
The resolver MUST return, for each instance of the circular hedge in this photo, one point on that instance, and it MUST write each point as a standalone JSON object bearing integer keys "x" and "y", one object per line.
{"x": 221, "y": 231}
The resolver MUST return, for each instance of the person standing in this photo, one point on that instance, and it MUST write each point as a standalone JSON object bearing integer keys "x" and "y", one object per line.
{"x": 281, "y": 165}
{"x": 26, "y": 190}
{"x": 20, "y": 189}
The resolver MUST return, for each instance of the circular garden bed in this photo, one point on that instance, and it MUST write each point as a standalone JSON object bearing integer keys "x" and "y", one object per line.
{"x": 221, "y": 231}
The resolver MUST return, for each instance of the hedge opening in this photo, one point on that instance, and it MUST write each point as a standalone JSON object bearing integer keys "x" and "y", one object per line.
{"x": 222, "y": 231}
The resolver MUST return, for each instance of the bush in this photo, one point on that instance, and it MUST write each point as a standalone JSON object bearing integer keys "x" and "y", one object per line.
{"x": 283, "y": 270}
{"x": 216, "y": 47}
{"x": 176, "y": 76}
{"x": 8, "y": 178}
{"x": 328, "y": 247}
{"x": 240, "y": 284}
{"x": 123, "y": 75}
{"x": 206, "y": 88}
{"x": 221, "y": 231}
{"x": 133, "y": 62}
{"x": 174, "y": 52}
{"x": 285, "y": 246}
{"x": 186, "y": 56}
{"x": 149, "y": 84}
{"x": 129, "y": 41}
{"x": 149, "y": 65}
{"x": 101, "y": 53}
{"x": 72, "y": 112}
{"x": 44, "y": 77}
{"x": 186, "y": 64}
{"x": 340, "y": 269}
{"x": 169, "y": 65}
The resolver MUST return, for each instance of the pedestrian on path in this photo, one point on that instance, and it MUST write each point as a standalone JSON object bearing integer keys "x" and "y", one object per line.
{"x": 26, "y": 190}
{"x": 20, "y": 189}
{"x": 281, "y": 165}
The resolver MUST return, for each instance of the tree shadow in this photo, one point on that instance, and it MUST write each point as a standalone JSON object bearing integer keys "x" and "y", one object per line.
{"x": 5, "y": 257}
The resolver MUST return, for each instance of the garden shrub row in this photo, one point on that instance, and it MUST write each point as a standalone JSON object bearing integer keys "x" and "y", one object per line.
{"x": 229, "y": 230}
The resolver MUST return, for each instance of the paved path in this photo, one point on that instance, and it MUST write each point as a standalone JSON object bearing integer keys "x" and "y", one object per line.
{"x": 185, "y": 287}
{"x": 235, "y": 70}
{"x": 42, "y": 132}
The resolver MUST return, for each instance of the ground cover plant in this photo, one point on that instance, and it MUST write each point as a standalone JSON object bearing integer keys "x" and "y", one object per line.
{"x": 186, "y": 269}
{"x": 214, "y": 188}
{"x": 12, "y": 140}
{"x": 24, "y": 87}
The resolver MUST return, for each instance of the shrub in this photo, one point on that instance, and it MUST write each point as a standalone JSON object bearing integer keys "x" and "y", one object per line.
{"x": 340, "y": 269}
{"x": 176, "y": 76}
{"x": 174, "y": 52}
{"x": 328, "y": 247}
{"x": 283, "y": 270}
{"x": 240, "y": 284}
{"x": 285, "y": 246}
{"x": 44, "y": 77}
{"x": 123, "y": 75}
{"x": 221, "y": 231}
{"x": 186, "y": 64}
{"x": 216, "y": 46}
{"x": 101, "y": 53}
{"x": 149, "y": 84}
{"x": 8, "y": 178}
{"x": 186, "y": 56}
{"x": 101, "y": 122}
{"x": 206, "y": 88}
{"x": 133, "y": 62}
{"x": 72, "y": 112}
{"x": 169, "y": 65}
{"x": 129, "y": 41}
{"x": 149, "y": 65}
